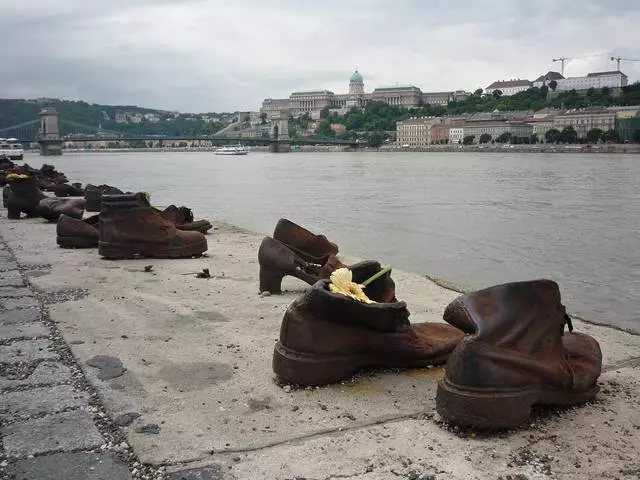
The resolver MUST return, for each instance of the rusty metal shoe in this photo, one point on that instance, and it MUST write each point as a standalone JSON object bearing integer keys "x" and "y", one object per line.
{"x": 307, "y": 245}
{"x": 278, "y": 260}
{"x": 23, "y": 196}
{"x": 66, "y": 190}
{"x": 93, "y": 195}
{"x": 182, "y": 217}
{"x": 516, "y": 355}
{"x": 75, "y": 233}
{"x": 326, "y": 337}
{"x": 50, "y": 208}
{"x": 130, "y": 227}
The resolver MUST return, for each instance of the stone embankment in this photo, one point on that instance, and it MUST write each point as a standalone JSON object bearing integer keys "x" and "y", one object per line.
{"x": 112, "y": 370}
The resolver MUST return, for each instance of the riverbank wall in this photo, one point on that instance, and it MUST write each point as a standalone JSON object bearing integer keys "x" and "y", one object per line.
{"x": 187, "y": 362}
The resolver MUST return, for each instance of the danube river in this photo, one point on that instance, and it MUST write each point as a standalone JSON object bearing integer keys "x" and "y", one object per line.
{"x": 471, "y": 218}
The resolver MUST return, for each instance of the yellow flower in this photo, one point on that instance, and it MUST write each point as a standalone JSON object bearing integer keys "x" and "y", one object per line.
{"x": 342, "y": 283}
{"x": 17, "y": 176}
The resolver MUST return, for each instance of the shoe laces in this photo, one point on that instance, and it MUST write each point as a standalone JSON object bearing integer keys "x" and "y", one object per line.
{"x": 567, "y": 322}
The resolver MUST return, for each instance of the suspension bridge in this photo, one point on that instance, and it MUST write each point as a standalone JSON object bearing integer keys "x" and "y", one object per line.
{"x": 50, "y": 132}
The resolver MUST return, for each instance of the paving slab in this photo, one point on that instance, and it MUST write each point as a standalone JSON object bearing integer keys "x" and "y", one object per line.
{"x": 71, "y": 466}
{"x": 15, "y": 292}
{"x": 27, "y": 351}
{"x": 23, "y": 330}
{"x": 45, "y": 373}
{"x": 197, "y": 354}
{"x": 62, "y": 431}
{"x": 18, "y": 302}
{"x": 19, "y": 316}
{"x": 37, "y": 401}
{"x": 11, "y": 278}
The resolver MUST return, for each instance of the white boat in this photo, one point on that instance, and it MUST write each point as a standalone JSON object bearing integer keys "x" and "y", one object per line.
{"x": 11, "y": 148}
{"x": 233, "y": 150}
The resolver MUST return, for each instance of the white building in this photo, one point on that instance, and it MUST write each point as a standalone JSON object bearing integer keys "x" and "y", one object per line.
{"x": 456, "y": 134}
{"x": 509, "y": 87}
{"x": 597, "y": 80}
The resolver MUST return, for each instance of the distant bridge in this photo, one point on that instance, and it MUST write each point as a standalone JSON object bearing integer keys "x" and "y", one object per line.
{"x": 50, "y": 132}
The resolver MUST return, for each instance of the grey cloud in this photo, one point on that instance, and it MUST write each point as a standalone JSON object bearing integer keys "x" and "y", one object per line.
{"x": 205, "y": 55}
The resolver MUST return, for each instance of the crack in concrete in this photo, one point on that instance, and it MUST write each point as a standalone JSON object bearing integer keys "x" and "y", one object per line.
{"x": 633, "y": 362}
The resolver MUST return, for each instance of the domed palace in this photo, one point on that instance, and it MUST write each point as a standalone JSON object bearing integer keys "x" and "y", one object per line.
{"x": 313, "y": 101}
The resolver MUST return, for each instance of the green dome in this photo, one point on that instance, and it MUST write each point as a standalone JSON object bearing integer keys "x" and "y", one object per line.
{"x": 356, "y": 77}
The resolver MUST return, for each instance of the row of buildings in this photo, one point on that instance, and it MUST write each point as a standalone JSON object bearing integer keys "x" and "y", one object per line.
{"x": 312, "y": 102}
{"x": 422, "y": 132}
{"x": 410, "y": 96}
{"x": 596, "y": 80}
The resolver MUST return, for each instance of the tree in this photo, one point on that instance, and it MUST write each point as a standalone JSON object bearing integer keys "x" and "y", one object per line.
{"x": 503, "y": 138}
{"x": 324, "y": 129}
{"x": 569, "y": 135}
{"x": 594, "y": 135}
{"x": 263, "y": 118}
{"x": 376, "y": 139}
{"x": 553, "y": 85}
{"x": 324, "y": 113}
{"x": 606, "y": 91}
{"x": 610, "y": 136}
{"x": 534, "y": 138}
{"x": 485, "y": 138}
{"x": 636, "y": 136}
{"x": 468, "y": 140}
{"x": 478, "y": 92}
{"x": 552, "y": 135}
{"x": 497, "y": 93}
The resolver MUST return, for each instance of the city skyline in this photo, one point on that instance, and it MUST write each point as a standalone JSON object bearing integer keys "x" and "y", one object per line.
{"x": 196, "y": 56}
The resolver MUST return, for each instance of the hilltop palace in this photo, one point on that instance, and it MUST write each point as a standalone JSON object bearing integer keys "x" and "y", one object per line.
{"x": 312, "y": 102}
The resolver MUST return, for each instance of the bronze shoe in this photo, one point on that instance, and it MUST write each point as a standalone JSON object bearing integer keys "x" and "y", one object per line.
{"x": 131, "y": 227}
{"x": 183, "y": 219}
{"x": 326, "y": 337}
{"x": 516, "y": 355}
{"x": 75, "y": 233}
{"x": 307, "y": 245}
{"x": 278, "y": 260}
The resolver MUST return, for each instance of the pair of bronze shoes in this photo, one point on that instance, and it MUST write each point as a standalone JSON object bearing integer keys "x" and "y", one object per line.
{"x": 294, "y": 250}
{"x": 505, "y": 348}
{"x": 75, "y": 232}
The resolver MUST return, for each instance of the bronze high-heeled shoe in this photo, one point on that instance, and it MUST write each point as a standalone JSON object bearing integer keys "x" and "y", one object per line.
{"x": 309, "y": 246}
{"x": 278, "y": 260}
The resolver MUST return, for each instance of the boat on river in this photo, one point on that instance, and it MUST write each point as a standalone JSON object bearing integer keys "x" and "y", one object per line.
{"x": 233, "y": 150}
{"x": 11, "y": 148}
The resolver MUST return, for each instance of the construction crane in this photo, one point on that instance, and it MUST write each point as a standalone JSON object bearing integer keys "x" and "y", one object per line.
{"x": 564, "y": 59}
{"x": 617, "y": 59}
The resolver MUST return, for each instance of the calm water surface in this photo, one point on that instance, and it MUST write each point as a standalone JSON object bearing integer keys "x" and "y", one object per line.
{"x": 476, "y": 219}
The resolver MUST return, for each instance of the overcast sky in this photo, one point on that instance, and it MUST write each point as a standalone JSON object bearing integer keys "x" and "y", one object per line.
{"x": 214, "y": 55}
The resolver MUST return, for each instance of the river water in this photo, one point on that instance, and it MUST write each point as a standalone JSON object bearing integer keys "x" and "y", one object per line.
{"x": 472, "y": 218}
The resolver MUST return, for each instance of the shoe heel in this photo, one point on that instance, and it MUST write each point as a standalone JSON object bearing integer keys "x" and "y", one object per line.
{"x": 306, "y": 369}
{"x": 270, "y": 280}
{"x": 486, "y": 411}
{"x": 13, "y": 213}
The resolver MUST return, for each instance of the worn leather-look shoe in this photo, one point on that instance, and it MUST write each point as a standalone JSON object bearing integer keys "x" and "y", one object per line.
{"x": 131, "y": 227}
{"x": 24, "y": 196}
{"x": 326, "y": 337}
{"x": 50, "y": 208}
{"x": 516, "y": 355}
{"x": 305, "y": 244}
{"x": 182, "y": 217}
{"x": 68, "y": 190}
{"x": 75, "y": 233}
{"x": 93, "y": 195}
{"x": 278, "y": 260}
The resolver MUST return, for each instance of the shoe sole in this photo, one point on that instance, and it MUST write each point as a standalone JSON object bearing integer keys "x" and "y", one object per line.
{"x": 120, "y": 252}
{"x": 66, "y": 241}
{"x": 499, "y": 409}
{"x": 311, "y": 369}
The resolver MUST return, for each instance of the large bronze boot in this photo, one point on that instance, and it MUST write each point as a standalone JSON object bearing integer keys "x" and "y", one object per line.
{"x": 24, "y": 196}
{"x": 304, "y": 243}
{"x": 516, "y": 355}
{"x": 131, "y": 227}
{"x": 326, "y": 337}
